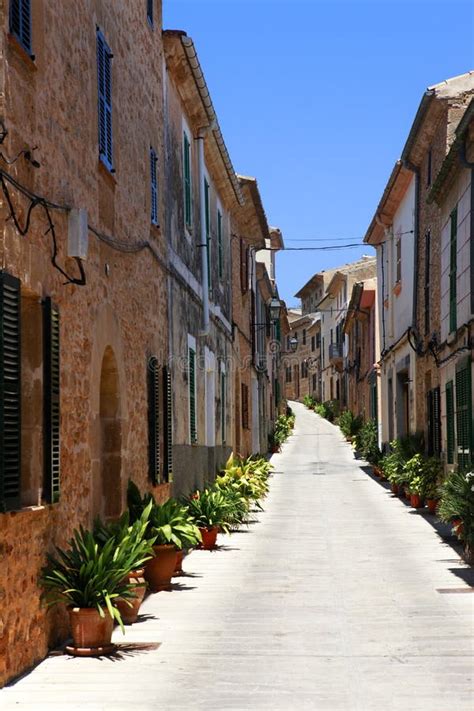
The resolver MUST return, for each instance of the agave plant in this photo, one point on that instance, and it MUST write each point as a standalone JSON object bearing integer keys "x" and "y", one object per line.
{"x": 90, "y": 575}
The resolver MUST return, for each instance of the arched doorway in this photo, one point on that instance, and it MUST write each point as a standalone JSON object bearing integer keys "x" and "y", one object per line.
{"x": 110, "y": 424}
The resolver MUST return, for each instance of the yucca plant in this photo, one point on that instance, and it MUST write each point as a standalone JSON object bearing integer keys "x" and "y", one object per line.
{"x": 457, "y": 502}
{"x": 90, "y": 575}
{"x": 173, "y": 523}
{"x": 349, "y": 423}
{"x": 209, "y": 508}
{"x": 140, "y": 539}
{"x": 238, "y": 505}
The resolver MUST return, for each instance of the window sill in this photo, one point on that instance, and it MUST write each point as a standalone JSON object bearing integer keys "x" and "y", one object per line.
{"x": 106, "y": 172}
{"x": 29, "y": 510}
{"x": 28, "y": 59}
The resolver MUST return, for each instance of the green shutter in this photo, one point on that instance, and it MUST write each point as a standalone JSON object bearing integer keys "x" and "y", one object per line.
{"x": 52, "y": 389}
{"x": 192, "y": 395}
{"x": 449, "y": 422}
{"x": 187, "y": 180}
{"x": 220, "y": 245}
{"x": 10, "y": 392}
{"x": 208, "y": 231}
{"x": 168, "y": 409}
{"x": 453, "y": 271}
{"x": 464, "y": 415}
{"x": 223, "y": 407}
{"x": 153, "y": 376}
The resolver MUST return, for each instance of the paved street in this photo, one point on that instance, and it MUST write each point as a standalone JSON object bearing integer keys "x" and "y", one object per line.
{"x": 340, "y": 597}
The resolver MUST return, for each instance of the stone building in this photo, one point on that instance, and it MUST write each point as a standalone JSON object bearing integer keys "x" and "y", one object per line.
{"x": 198, "y": 231}
{"x": 392, "y": 233}
{"x": 360, "y": 369}
{"x": 453, "y": 192}
{"x": 429, "y": 140}
{"x": 302, "y": 359}
{"x": 83, "y": 288}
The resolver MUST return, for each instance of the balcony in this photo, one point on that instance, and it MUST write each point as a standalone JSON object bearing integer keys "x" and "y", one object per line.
{"x": 335, "y": 355}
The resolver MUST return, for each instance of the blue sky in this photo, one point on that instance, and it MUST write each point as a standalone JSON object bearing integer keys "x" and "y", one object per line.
{"x": 315, "y": 99}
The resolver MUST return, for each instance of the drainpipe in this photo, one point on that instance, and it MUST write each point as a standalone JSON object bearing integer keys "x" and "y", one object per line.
{"x": 203, "y": 243}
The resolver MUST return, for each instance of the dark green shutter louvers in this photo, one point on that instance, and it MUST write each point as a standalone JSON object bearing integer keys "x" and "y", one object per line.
{"x": 168, "y": 408}
{"x": 153, "y": 420}
{"x": 20, "y": 22}
{"x": 464, "y": 415}
{"x": 10, "y": 392}
{"x": 453, "y": 271}
{"x": 449, "y": 422}
{"x": 104, "y": 84}
{"x": 52, "y": 415}
{"x": 192, "y": 395}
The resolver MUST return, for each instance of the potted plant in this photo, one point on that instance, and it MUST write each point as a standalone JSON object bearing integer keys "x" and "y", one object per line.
{"x": 136, "y": 536}
{"x": 89, "y": 578}
{"x": 456, "y": 506}
{"x": 209, "y": 510}
{"x": 432, "y": 472}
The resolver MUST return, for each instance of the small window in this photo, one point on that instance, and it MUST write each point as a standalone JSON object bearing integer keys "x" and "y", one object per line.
{"x": 104, "y": 82}
{"x": 154, "y": 186}
{"x": 427, "y": 281}
{"x": 149, "y": 11}
{"x": 220, "y": 246}
{"x": 20, "y": 22}
{"x": 313, "y": 343}
{"x": 304, "y": 337}
{"x": 188, "y": 216}
{"x": 399, "y": 259}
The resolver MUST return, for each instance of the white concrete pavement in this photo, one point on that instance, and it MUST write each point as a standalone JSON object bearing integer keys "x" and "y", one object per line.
{"x": 340, "y": 598}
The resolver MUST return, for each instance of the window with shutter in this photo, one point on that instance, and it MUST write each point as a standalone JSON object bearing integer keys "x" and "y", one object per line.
{"x": 450, "y": 431}
{"x": 464, "y": 415}
{"x": 223, "y": 407}
{"x": 153, "y": 420}
{"x": 434, "y": 422}
{"x": 245, "y": 406}
{"x": 10, "y": 392}
{"x": 207, "y": 218}
{"x": 149, "y": 11}
{"x": 453, "y": 270}
{"x": 192, "y": 395}
{"x": 51, "y": 404}
{"x": 168, "y": 424}
{"x": 427, "y": 281}
{"x": 20, "y": 22}
{"x": 188, "y": 217}
{"x": 104, "y": 83}
{"x": 244, "y": 273}
{"x": 220, "y": 245}
{"x": 154, "y": 186}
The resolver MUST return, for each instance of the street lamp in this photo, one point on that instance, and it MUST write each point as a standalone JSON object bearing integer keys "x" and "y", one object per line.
{"x": 275, "y": 309}
{"x": 293, "y": 343}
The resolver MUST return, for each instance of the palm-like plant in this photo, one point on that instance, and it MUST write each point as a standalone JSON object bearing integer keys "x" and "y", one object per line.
{"x": 457, "y": 502}
{"x": 209, "y": 509}
{"x": 91, "y": 575}
{"x": 172, "y": 523}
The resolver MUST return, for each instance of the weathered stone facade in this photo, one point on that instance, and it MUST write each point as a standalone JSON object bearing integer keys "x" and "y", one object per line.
{"x": 108, "y": 327}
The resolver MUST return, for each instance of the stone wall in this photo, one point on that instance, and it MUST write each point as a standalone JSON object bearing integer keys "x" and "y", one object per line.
{"x": 52, "y": 103}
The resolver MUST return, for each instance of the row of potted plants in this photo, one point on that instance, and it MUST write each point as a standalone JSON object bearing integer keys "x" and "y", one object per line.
{"x": 329, "y": 409}
{"x": 103, "y": 574}
{"x": 284, "y": 425}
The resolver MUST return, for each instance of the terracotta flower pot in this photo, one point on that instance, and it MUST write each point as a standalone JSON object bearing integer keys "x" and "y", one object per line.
{"x": 179, "y": 562}
{"x": 458, "y": 527}
{"x": 91, "y": 633}
{"x": 209, "y": 537}
{"x": 432, "y": 505}
{"x": 130, "y": 613}
{"x": 395, "y": 488}
{"x": 159, "y": 570}
{"x": 415, "y": 501}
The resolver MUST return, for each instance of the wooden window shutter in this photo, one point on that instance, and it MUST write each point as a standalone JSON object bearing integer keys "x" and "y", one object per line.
{"x": 168, "y": 423}
{"x": 450, "y": 431}
{"x": 464, "y": 415}
{"x": 20, "y": 22}
{"x": 153, "y": 420}
{"x": 154, "y": 186}
{"x": 10, "y": 392}
{"x": 192, "y": 395}
{"x": 220, "y": 246}
{"x": 223, "y": 407}
{"x": 453, "y": 271}
{"x": 104, "y": 84}
{"x": 51, "y": 402}
{"x": 434, "y": 422}
{"x": 207, "y": 217}
{"x": 187, "y": 180}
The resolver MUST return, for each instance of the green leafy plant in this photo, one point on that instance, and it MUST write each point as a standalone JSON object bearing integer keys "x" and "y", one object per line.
{"x": 209, "y": 508}
{"x": 367, "y": 442}
{"x": 309, "y": 401}
{"x": 422, "y": 475}
{"x": 329, "y": 409}
{"x": 90, "y": 575}
{"x": 136, "y": 536}
{"x": 283, "y": 427}
{"x": 349, "y": 423}
{"x": 393, "y": 464}
{"x": 457, "y": 502}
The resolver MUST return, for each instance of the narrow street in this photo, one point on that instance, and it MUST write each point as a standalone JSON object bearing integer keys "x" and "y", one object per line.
{"x": 340, "y": 597}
